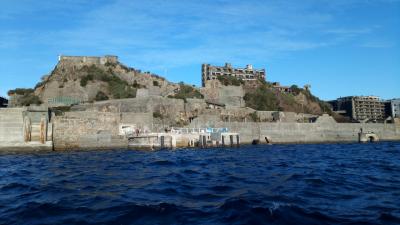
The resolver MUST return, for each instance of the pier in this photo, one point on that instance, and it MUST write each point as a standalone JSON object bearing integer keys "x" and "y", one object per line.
{"x": 182, "y": 137}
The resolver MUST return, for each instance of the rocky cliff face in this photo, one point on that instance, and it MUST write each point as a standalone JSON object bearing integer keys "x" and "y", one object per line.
{"x": 85, "y": 81}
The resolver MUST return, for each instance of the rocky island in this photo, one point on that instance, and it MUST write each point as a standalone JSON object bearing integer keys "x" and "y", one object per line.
{"x": 100, "y": 103}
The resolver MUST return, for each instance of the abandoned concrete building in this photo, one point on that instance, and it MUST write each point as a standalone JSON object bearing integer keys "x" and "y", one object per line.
{"x": 210, "y": 72}
{"x": 280, "y": 88}
{"x": 393, "y": 107}
{"x": 360, "y": 108}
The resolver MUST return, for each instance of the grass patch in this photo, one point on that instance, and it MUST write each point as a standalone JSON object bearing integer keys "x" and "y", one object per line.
{"x": 187, "y": 91}
{"x": 100, "y": 96}
{"x": 117, "y": 87}
{"x": 262, "y": 99}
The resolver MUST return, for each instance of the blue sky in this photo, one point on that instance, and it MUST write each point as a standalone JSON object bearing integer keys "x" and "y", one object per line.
{"x": 340, "y": 47}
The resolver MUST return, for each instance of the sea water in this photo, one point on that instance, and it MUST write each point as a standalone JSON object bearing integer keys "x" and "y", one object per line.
{"x": 271, "y": 184}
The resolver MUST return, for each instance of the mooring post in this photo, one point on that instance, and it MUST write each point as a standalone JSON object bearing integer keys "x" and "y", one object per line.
{"x": 205, "y": 141}
{"x": 238, "y": 140}
{"x": 201, "y": 141}
{"x": 231, "y": 139}
{"x": 223, "y": 141}
{"x": 162, "y": 142}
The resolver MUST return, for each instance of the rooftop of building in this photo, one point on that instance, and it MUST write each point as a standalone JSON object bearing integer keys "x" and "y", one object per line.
{"x": 369, "y": 97}
{"x": 229, "y": 66}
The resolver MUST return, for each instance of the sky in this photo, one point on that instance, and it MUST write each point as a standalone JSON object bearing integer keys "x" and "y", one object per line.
{"x": 339, "y": 47}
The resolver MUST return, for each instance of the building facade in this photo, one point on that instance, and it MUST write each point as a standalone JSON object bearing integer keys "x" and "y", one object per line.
{"x": 360, "y": 108}
{"x": 210, "y": 72}
{"x": 394, "y": 107}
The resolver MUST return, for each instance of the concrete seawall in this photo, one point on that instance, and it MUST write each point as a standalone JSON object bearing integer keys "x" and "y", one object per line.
{"x": 105, "y": 130}
{"x": 325, "y": 129}
{"x": 25, "y": 129}
{"x": 309, "y": 132}
{"x": 97, "y": 130}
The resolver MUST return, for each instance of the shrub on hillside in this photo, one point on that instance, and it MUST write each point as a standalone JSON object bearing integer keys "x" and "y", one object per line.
{"x": 29, "y": 99}
{"x": 21, "y": 91}
{"x": 262, "y": 99}
{"x": 187, "y": 91}
{"x": 230, "y": 80}
{"x": 117, "y": 87}
{"x": 100, "y": 96}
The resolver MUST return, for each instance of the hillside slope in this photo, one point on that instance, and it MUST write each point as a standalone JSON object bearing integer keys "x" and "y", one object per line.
{"x": 88, "y": 81}
{"x": 262, "y": 96}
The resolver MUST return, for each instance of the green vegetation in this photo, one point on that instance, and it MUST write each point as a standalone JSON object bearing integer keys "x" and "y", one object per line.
{"x": 60, "y": 110}
{"x": 230, "y": 80}
{"x": 323, "y": 105}
{"x": 30, "y": 99}
{"x": 118, "y": 88}
{"x": 137, "y": 85}
{"x": 187, "y": 91}
{"x": 21, "y": 91}
{"x": 262, "y": 99}
{"x": 85, "y": 79}
{"x": 39, "y": 84}
{"x": 121, "y": 90}
{"x": 26, "y": 96}
{"x": 110, "y": 64}
{"x": 295, "y": 89}
{"x": 254, "y": 117}
{"x": 288, "y": 98}
{"x": 100, "y": 96}
{"x": 158, "y": 115}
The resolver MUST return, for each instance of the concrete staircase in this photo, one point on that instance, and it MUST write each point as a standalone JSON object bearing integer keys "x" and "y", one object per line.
{"x": 35, "y": 132}
{"x": 11, "y": 125}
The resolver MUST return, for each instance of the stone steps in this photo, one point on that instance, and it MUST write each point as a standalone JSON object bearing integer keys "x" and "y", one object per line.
{"x": 35, "y": 132}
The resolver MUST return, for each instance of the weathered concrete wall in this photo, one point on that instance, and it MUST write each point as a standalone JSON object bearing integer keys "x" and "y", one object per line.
{"x": 323, "y": 130}
{"x": 11, "y": 125}
{"x": 138, "y": 105}
{"x": 25, "y": 129}
{"x": 231, "y": 96}
{"x": 82, "y": 130}
{"x": 96, "y": 130}
{"x": 172, "y": 110}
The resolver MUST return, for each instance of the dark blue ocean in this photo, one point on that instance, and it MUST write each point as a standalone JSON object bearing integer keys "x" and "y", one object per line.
{"x": 278, "y": 184}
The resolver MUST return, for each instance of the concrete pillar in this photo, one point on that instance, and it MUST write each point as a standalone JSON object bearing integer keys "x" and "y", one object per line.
{"x": 43, "y": 130}
{"x": 173, "y": 141}
{"x": 231, "y": 140}
{"x": 223, "y": 141}
{"x": 204, "y": 141}
{"x": 27, "y": 129}
{"x": 201, "y": 141}
{"x": 237, "y": 140}
{"x": 162, "y": 141}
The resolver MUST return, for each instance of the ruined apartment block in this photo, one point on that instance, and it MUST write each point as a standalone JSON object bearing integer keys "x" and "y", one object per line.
{"x": 210, "y": 72}
{"x": 361, "y": 108}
